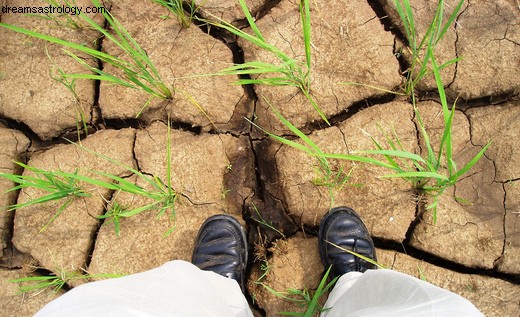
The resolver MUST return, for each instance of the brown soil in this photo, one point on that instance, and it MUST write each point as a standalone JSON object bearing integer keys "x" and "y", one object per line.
{"x": 223, "y": 165}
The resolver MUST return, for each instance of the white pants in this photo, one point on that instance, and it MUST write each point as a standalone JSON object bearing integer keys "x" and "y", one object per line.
{"x": 179, "y": 288}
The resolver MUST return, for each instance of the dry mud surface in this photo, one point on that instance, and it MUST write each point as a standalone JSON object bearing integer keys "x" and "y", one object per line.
{"x": 221, "y": 164}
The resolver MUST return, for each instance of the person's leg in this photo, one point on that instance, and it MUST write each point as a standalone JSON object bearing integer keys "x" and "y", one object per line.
{"x": 375, "y": 292}
{"x": 391, "y": 293}
{"x": 177, "y": 288}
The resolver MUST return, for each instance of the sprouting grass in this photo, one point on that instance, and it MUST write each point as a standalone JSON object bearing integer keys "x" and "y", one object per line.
{"x": 309, "y": 301}
{"x": 55, "y": 282}
{"x": 420, "y": 65}
{"x": 114, "y": 213}
{"x": 289, "y": 72}
{"x": 327, "y": 176}
{"x": 420, "y": 50}
{"x": 262, "y": 222}
{"x": 162, "y": 195}
{"x": 436, "y": 170}
{"x": 60, "y": 76}
{"x": 138, "y": 72}
{"x": 57, "y": 184}
{"x": 332, "y": 179}
{"x": 185, "y": 13}
{"x": 68, "y": 186}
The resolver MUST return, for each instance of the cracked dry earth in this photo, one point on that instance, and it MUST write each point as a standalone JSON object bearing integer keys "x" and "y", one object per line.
{"x": 227, "y": 166}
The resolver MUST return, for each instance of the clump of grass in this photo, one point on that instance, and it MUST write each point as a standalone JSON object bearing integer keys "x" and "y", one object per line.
{"x": 138, "y": 71}
{"x": 308, "y": 300}
{"x": 421, "y": 50}
{"x": 162, "y": 195}
{"x": 55, "y": 282}
{"x": 289, "y": 72}
{"x": 420, "y": 65}
{"x": 59, "y": 75}
{"x": 62, "y": 185}
{"x": 57, "y": 184}
{"x": 433, "y": 172}
{"x": 327, "y": 176}
{"x": 184, "y": 12}
{"x": 332, "y": 179}
{"x": 114, "y": 213}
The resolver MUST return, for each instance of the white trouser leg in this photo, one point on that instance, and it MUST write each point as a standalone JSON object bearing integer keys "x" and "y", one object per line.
{"x": 390, "y": 293}
{"x": 177, "y": 288}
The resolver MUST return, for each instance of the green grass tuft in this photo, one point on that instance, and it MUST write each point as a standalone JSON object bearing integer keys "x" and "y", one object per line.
{"x": 435, "y": 171}
{"x": 138, "y": 72}
{"x": 57, "y": 184}
{"x": 308, "y": 300}
{"x": 55, "y": 282}
{"x": 289, "y": 72}
{"x": 184, "y": 12}
{"x": 68, "y": 186}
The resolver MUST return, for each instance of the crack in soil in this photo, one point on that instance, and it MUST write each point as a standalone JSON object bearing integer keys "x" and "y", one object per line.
{"x": 504, "y": 38}
{"x": 94, "y": 235}
{"x": 264, "y": 9}
{"x": 433, "y": 259}
{"x": 352, "y": 110}
{"x": 383, "y": 16}
{"x": 20, "y": 126}
{"x": 497, "y": 260}
{"x": 237, "y": 53}
{"x": 479, "y": 146}
{"x": 456, "y": 30}
{"x": 96, "y": 113}
{"x": 135, "y": 161}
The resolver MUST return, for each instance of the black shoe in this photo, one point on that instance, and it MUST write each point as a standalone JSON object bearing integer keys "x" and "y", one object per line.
{"x": 343, "y": 227}
{"x": 221, "y": 247}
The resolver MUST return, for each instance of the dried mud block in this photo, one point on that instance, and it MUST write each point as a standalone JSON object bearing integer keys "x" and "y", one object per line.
{"x": 470, "y": 217}
{"x": 22, "y": 305}
{"x": 66, "y": 243}
{"x": 176, "y": 53}
{"x": 508, "y": 263}
{"x": 13, "y": 145}
{"x": 348, "y": 44}
{"x": 143, "y": 243}
{"x": 387, "y": 206}
{"x": 295, "y": 264}
{"x": 485, "y": 35}
{"x": 492, "y": 296}
{"x": 29, "y": 94}
{"x": 205, "y": 173}
{"x": 488, "y": 40}
{"x": 498, "y": 124}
